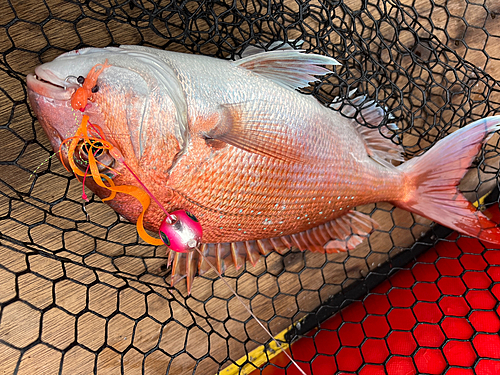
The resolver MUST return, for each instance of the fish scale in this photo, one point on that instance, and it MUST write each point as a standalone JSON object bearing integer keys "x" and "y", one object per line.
{"x": 306, "y": 183}
{"x": 262, "y": 166}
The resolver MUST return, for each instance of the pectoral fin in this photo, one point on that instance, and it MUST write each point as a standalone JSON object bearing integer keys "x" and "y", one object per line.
{"x": 256, "y": 127}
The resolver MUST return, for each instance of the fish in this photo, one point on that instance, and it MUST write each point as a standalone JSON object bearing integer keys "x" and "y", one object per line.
{"x": 262, "y": 166}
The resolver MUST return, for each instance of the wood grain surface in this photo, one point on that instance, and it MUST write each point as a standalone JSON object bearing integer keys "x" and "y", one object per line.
{"x": 87, "y": 304}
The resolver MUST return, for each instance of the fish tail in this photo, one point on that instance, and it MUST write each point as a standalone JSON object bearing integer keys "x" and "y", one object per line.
{"x": 431, "y": 182}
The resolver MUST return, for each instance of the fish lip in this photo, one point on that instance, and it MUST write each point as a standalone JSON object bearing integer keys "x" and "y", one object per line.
{"x": 45, "y": 83}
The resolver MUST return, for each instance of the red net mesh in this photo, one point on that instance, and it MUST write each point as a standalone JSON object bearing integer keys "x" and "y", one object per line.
{"x": 439, "y": 314}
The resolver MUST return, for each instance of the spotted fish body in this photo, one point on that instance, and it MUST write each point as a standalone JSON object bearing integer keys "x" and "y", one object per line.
{"x": 262, "y": 166}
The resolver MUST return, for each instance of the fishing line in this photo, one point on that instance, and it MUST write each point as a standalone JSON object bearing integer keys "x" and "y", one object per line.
{"x": 42, "y": 163}
{"x": 115, "y": 153}
{"x": 118, "y": 156}
{"x": 147, "y": 190}
{"x": 250, "y": 311}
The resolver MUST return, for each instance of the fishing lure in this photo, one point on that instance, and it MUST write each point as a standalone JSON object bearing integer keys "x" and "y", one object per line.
{"x": 80, "y": 97}
{"x": 180, "y": 230}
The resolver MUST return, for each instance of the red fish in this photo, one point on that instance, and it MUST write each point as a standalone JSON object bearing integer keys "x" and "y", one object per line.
{"x": 262, "y": 166}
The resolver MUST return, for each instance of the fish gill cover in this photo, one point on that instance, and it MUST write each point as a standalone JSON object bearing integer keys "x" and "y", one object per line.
{"x": 80, "y": 293}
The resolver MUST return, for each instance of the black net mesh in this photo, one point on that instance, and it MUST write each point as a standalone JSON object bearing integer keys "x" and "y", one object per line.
{"x": 84, "y": 295}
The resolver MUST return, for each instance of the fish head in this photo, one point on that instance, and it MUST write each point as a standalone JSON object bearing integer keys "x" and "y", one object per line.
{"x": 139, "y": 107}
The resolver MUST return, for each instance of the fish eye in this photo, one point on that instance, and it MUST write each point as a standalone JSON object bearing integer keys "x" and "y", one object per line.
{"x": 164, "y": 238}
{"x": 80, "y": 80}
{"x": 191, "y": 216}
{"x": 96, "y": 146}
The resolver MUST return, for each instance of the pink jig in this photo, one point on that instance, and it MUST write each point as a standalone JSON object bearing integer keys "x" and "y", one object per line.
{"x": 180, "y": 231}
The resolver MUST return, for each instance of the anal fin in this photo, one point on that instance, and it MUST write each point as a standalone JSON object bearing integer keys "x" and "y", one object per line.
{"x": 252, "y": 251}
{"x": 238, "y": 252}
{"x": 341, "y": 234}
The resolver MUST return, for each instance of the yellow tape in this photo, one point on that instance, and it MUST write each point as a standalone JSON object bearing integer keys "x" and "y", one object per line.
{"x": 259, "y": 356}
{"x": 480, "y": 203}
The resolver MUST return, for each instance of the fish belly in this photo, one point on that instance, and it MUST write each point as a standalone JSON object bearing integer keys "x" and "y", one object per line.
{"x": 267, "y": 199}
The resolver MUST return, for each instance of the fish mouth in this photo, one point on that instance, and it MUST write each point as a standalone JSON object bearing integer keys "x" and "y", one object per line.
{"x": 46, "y": 83}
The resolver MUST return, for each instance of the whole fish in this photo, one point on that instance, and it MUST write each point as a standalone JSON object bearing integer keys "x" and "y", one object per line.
{"x": 261, "y": 165}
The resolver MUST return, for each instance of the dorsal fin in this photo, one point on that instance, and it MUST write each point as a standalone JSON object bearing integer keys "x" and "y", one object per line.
{"x": 342, "y": 234}
{"x": 278, "y": 45}
{"x": 369, "y": 116}
{"x": 292, "y": 69}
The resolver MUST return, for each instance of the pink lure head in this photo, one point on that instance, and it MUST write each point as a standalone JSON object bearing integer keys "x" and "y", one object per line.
{"x": 181, "y": 231}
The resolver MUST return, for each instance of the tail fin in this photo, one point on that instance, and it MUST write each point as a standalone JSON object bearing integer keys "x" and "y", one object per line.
{"x": 432, "y": 181}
